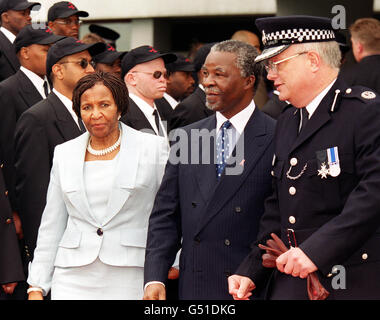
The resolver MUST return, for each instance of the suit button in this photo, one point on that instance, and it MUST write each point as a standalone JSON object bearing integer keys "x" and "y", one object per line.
{"x": 2, "y": 165}
{"x": 293, "y": 162}
{"x": 349, "y": 90}
{"x": 8, "y": 221}
{"x": 237, "y": 209}
{"x": 292, "y": 220}
{"x": 227, "y": 242}
{"x": 292, "y": 191}
{"x": 364, "y": 256}
{"x": 272, "y": 173}
{"x": 99, "y": 232}
{"x": 193, "y": 204}
{"x": 6, "y": 192}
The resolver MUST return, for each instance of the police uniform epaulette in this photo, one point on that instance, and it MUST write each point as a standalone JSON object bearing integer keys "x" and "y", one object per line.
{"x": 362, "y": 93}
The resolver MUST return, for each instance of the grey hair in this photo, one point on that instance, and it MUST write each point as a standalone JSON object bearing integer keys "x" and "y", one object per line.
{"x": 245, "y": 58}
{"x": 328, "y": 51}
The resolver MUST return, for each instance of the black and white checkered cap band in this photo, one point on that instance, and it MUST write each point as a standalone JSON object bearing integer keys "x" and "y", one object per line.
{"x": 297, "y": 35}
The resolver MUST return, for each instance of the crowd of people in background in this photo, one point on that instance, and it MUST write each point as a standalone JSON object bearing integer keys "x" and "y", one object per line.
{"x": 94, "y": 206}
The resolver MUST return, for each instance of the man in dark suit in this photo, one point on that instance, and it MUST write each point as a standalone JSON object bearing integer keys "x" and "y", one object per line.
{"x": 22, "y": 90}
{"x": 143, "y": 71}
{"x": 180, "y": 84}
{"x": 15, "y": 14}
{"x": 11, "y": 269}
{"x": 193, "y": 108}
{"x": 212, "y": 209}
{"x": 326, "y": 171}
{"x": 63, "y": 19}
{"x": 45, "y": 125}
{"x": 365, "y": 35}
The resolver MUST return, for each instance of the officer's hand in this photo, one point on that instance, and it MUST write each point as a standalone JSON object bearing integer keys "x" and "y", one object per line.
{"x": 240, "y": 287}
{"x": 173, "y": 273}
{"x": 296, "y": 263}
{"x": 9, "y": 287}
{"x": 155, "y": 291}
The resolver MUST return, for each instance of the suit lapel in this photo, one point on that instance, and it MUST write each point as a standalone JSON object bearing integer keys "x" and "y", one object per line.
{"x": 136, "y": 118}
{"x": 9, "y": 52}
{"x": 255, "y": 141}
{"x": 205, "y": 170}
{"x": 125, "y": 173}
{"x": 64, "y": 121}
{"x": 27, "y": 90}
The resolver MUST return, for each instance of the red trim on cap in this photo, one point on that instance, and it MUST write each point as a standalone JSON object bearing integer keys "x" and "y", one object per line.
{"x": 110, "y": 48}
{"x": 48, "y": 31}
{"x": 153, "y": 50}
{"x": 71, "y": 6}
{"x": 79, "y": 41}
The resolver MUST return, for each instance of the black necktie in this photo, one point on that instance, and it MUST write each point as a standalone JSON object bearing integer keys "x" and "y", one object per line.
{"x": 304, "y": 118}
{"x": 46, "y": 88}
{"x": 157, "y": 121}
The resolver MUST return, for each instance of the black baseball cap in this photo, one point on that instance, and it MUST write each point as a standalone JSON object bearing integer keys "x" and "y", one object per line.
{"x": 64, "y": 9}
{"x": 109, "y": 55}
{"x": 18, "y": 5}
{"x": 67, "y": 47}
{"x": 201, "y": 55}
{"x": 29, "y": 35}
{"x": 104, "y": 32}
{"x": 181, "y": 64}
{"x": 143, "y": 54}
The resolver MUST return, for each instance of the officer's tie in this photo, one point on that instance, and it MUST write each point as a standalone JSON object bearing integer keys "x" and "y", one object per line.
{"x": 157, "y": 121}
{"x": 304, "y": 118}
{"x": 222, "y": 147}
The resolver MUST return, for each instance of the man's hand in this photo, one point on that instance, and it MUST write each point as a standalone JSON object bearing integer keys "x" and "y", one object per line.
{"x": 173, "y": 273}
{"x": 155, "y": 291}
{"x": 9, "y": 287}
{"x": 295, "y": 262}
{"x": 240, "y": 287}
{"x": 17, "y": 222}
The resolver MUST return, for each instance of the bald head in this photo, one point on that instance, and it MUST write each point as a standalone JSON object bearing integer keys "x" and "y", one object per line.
{"x": 247, "y": 37}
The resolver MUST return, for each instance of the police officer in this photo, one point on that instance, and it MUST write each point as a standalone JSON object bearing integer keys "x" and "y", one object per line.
{"x": 326, "y": 170}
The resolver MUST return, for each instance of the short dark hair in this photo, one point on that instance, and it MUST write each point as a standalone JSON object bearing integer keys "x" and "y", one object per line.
{"x": 112, "y": 82}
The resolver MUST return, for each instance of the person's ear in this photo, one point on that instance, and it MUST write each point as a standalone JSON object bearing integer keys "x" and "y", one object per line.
{"x": 250, "y": 82}
{"x": 58, "y": 71}
{"x": 314, "y": 60}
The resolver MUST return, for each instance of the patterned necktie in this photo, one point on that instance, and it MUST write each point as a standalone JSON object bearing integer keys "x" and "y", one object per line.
{"x": 304, "y": 118}
{"x": 222, "y": 147}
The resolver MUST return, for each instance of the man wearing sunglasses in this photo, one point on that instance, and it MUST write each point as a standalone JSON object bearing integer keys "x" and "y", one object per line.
{"x": 45, "y": 125}
{"x": 144, "y": 72}
{"x": 14, "y": 14}
{"x": 63, "y": 19}
{"x": 326, "y": 172}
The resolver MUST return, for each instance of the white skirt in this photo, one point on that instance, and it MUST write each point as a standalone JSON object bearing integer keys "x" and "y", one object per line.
{"x": 97, "y": 281}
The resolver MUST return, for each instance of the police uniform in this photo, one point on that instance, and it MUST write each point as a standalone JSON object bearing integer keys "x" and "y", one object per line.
{"x": 326, "y": 182}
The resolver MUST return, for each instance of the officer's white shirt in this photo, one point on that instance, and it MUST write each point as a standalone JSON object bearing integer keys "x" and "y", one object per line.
{"x": 312, "y": 106}
{"x": 173, "y": 102}
{"x": 37, "y": 81}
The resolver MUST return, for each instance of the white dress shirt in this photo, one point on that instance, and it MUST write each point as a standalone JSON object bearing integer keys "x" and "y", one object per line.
{"x": 148, "y": 110}
{"x": 312, "y": 106}
{"x": 11, "y": 37}
{"x": 173, "y": 102}
{"x": 37, "y": 81}
{"x": 238, "y": 123}
{"x": 68, "y": 104}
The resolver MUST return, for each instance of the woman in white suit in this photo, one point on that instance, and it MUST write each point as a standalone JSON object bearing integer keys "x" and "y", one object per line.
{"x": 91, "y": 241}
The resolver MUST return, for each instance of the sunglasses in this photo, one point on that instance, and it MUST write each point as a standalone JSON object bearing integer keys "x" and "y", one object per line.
{"x": 155, "y": 74}
{"x": 83, "y": 63}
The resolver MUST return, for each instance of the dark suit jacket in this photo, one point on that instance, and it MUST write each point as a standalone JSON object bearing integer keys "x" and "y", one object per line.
{"x": 136, "y": 119}
{"x": 190, "y": 110}
{"x": 336, "y": 220}
{"x": 166, "y": 112}
{"x": 11, "y": 269}
{"x": 217, "y": 220}
{"x": 9, "y": 63}
{"x": 366, "y": 73}
{"x": 17, "y": 94}
{"x": 38, "y": 131}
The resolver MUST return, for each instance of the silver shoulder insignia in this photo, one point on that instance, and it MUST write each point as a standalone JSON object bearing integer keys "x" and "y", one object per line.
{"x": 368, "y": 95}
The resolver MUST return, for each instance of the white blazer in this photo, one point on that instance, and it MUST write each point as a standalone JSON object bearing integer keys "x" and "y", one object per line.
{"x": 69, "y": 234}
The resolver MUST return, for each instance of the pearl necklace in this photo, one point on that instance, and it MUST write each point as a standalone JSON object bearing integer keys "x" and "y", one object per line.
{"x": 104, "y": 151}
